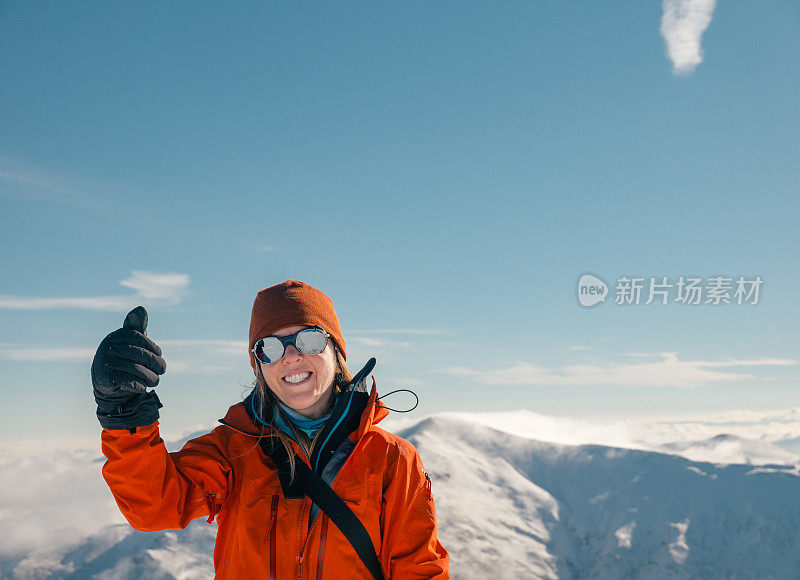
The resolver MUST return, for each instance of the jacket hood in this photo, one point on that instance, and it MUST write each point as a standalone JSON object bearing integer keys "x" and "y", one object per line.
{"x": 238, "y": 417}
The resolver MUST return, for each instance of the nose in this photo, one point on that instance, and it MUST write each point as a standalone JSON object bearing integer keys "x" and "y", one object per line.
{"x": 291, "y": 354}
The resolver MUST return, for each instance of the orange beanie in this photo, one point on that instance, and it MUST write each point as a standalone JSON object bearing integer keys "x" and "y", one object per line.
{"x": 292, "y": 303}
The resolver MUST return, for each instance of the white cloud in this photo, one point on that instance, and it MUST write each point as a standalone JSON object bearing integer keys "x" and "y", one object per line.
{"x": 226, "y": 346}
{"x": 205, "y": 356}
{"x": 263, "y": 248}
{"x": 18, "y": 352}
{"x": 52, "y": 494}
{"x": 682, "y": 26}
{"x": 21, "y": 181}
{"x": 781, "y": 416}
{"x": 418, "y": 331}
{"x": 761, "y": 362}
{"x": 166, "y": 289}
{"x": 386, "y": 341}
{"x": 368, "y": 341}
{"x": 668, "y": 371}
{"x": 403, "y": 382}
{"x": 105, "y": 303}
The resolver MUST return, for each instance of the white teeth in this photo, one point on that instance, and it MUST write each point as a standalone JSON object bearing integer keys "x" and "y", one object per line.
{"x": 296, "y": 378}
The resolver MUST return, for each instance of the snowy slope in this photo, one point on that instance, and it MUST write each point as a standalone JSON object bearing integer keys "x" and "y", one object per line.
{"x": 512, "y": 507}
{"x": 737, "y": 437}
{"x": 509, "y": 506}
{"x": 119, "y": 552}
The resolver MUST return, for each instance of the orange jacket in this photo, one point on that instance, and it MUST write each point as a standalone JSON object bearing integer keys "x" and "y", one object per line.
{"x": 226, "y": 475}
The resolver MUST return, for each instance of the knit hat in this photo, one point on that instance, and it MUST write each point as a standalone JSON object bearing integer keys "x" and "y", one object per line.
{"x": 292, "y": 303}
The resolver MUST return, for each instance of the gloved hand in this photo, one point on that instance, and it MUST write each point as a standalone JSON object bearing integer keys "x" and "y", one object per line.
{"x": 125, "y": 364}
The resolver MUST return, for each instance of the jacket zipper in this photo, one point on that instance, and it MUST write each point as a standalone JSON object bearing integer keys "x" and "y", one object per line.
{"x": 319, "y": 516}
{"x": 273, "y": 551}
{"x": 302, "y": 526}
{"x": 321, "y": 552}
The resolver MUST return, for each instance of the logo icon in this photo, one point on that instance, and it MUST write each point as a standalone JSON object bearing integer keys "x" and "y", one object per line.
{"x": 591, "y": 290}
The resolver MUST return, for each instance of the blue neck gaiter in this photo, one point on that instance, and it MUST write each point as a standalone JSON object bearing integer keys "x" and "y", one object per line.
{"x": 308, "y": 426}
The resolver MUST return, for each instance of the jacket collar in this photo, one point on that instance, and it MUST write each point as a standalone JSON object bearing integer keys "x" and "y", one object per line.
{"x": 238, "y": 418}
{"x": 374, "y": 412}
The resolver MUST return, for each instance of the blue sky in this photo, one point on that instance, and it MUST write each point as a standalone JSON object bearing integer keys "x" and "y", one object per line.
{"x": 445, "y": 172}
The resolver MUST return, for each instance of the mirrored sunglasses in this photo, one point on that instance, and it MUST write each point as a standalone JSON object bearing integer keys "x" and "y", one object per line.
{"x": 307, "y": 341}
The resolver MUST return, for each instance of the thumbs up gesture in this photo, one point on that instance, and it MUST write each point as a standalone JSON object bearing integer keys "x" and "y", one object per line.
{"x": 125, "y": 365}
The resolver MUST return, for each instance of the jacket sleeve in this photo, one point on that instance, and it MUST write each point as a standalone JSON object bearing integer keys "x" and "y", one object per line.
{"x": 157, "y": 490}
{"x": 410, "y": 547}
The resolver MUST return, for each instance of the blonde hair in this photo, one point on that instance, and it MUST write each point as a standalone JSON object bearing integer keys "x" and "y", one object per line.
{"x": 265, "y": 402}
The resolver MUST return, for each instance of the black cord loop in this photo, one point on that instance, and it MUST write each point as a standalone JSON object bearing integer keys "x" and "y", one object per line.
{"x": 398, "y": 391}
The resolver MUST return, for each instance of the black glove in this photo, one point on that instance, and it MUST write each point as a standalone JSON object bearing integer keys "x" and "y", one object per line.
{"x": 126, "y": 363}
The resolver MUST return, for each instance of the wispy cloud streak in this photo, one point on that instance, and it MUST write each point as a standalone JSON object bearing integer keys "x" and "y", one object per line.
{"x": 669, "y": 371}
{"x": 36, "y": 184}
{"x": 195, "y": 356}
{"x": 205, "y": 356}
{"x": 417, "y": 331}
{"x": 18, "y": 352}
{"x": 166, "y": 289}
{"x": 682, "y": 25}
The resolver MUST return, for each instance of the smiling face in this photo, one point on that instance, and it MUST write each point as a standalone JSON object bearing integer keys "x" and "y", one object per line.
{"x": 303, "y": 382}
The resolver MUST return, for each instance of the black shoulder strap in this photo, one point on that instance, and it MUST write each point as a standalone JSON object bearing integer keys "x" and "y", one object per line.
{"x": 340, "y": 514}
{"x": 312, "y": 485}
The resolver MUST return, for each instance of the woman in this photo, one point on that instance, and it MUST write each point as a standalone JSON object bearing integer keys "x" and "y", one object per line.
{"x": 307, "y": 427}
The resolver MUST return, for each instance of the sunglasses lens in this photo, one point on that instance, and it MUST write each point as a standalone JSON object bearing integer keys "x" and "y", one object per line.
{"x": 271, "y": 349}
{"x": 311, "y": 341}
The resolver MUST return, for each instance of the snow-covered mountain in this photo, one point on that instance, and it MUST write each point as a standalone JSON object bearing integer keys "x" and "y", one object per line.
{"x": 509, "y": 506}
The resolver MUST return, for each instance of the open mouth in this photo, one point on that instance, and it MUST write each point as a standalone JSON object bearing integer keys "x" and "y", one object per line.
{"x": 297, "y": 378}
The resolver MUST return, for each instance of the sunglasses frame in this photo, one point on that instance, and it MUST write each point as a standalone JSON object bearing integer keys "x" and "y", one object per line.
{"x": 287, "y": 340}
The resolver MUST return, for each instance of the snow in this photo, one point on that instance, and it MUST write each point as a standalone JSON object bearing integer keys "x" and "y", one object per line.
{"x": 624, "y": 534}
{"x": 604, "y": 512}
{"x": 510, "y": 505}
{"x": 737, "y": 437}
{"x": 118, "y": 552}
